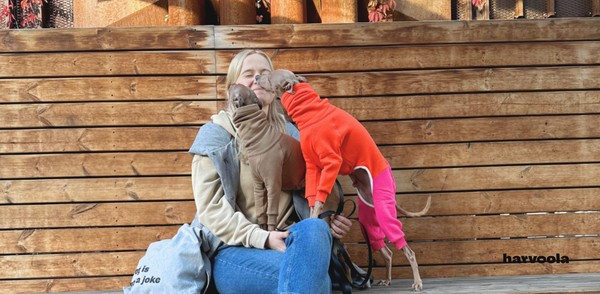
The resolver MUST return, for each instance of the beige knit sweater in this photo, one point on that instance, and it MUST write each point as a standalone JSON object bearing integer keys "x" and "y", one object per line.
{"x": 237, "y": 226}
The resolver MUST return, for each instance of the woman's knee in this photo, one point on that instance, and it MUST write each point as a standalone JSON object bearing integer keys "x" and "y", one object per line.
{"x": 316, "y": 228}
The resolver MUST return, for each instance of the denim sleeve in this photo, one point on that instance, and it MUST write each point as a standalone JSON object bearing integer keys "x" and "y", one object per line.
{"x": 293, "y": 131}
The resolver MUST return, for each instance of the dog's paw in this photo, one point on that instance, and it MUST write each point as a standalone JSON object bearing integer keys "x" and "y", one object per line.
{"x": 383, "y": 283}
{"x": 417, "y": 285}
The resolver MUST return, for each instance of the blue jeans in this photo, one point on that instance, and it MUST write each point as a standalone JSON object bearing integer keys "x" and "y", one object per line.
{"x": 303, "y": 268}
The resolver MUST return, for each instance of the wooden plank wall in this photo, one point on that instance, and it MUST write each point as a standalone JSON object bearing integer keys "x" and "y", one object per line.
{"x": 499, "y": 121}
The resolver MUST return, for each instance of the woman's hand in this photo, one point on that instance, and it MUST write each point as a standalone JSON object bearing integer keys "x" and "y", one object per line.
{"x": 340, "y": 226}
{"x": 276, "y": 240}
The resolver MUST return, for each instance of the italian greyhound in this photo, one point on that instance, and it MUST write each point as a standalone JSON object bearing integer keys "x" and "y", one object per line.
{"x": 275, "y": 158}
{"x": 334, "y": 142}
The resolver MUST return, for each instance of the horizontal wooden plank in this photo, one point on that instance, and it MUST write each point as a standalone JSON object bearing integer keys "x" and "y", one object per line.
{"x": 107, "y": 63}
{"x": 430, "y": 56}
{"x": 495, "y": 202}
{"x": 570, "y": 283}
{"x": 470, "y": 105}
{"x": 409, "y": 180}
{"x": 107, "y": 89}
{"x": 98, "y": 264}
{"x": 493, "y": 226}
{"x": 95, "y": 164}
{"x": 96, "y": 190}
{"x": 558, "y": 284}
{"x": 97, "y": 139}
{"x": 78, "y": 240}
{"x": 496, "y": 153}
{"x": 488, "y": 270}
{"x": 484, "y": 129}
{"x": 64, "y": 285}
{"x": 69, "y": 265}
{"x": 450, "y": 81}
{"x": 106, "y": 114}
{"x": 122, "y": 38}
{"x": 490, "y": 178}
{"x": 406, "y": 156}
{"x": 489, "y": 251}
{"x": 96, "y": 214}
{"x": 400, "y": 33}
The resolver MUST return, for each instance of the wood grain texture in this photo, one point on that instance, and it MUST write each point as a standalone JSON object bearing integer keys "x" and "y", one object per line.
{"x": 106, "y": 114}
{"x": 107, "y": 63}
{"x": 470, "y": 105}
{"x": 498, "y": 153}
{"x": 426, "y": 10}
{"x": 135, "y": 16}
{"x": 94, "y": 39}
{"x": 339, "y": 11}
{"x": 108, "y": 89}
{"x": 69, "y": 265}
{"x": 450, "y": 81}
{"x": 97, "y": 139}
{"x": 64, "y": 285}
{"x": 186, "y": 12}
{"x": 79, "y": 240}
{"x": 493, "y": 226}
{"x": 314, "y": 60}
{"x": 490, "y": 178}
{"x": 484, "y": 129}
{"x": 233, "y": 12}
{"x": 96, "y": 190}
{"x": 119, "y": 13}
{"x": 403, "y": 33}
{"x": 97, "y": 214}
{"x": 495, "y": 202}
{"x": 488, "y": 251}
{"x": 489, "y": 270}
{"x": 288, "y": 12}
{"x": 95, "y": 164}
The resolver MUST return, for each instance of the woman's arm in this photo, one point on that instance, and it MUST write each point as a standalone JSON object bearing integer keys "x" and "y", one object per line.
{"x": 215, "y": 213}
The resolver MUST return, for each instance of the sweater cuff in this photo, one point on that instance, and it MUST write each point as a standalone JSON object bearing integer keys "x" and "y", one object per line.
{"x": 259, "y": 238}
{"x": 400, "y": 243}
{"x": 311, "y": 200}
{"x": 321, "y": 196}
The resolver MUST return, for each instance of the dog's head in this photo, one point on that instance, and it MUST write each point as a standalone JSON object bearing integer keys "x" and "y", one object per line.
{"x": 241, "y": 95}
{"x": 279, "y": 81}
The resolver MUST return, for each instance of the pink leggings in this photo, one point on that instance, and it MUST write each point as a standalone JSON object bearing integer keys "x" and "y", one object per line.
{"x": 381, "y": 220}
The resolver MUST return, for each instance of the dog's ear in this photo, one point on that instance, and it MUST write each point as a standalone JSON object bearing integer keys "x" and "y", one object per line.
{"x": 288, "y": 86}
{"x": 301, "y": 79}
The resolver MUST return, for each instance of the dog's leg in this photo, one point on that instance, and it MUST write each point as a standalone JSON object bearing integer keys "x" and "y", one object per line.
{"x": 410, "y": 255}
{"x": 387, "y": 255}
{"x": 316, "y": 210}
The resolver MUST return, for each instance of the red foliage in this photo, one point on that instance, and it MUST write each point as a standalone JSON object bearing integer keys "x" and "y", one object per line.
{"x": 30, "y": 9}
{"x": 6, "y": 12}
{"x": 381, "y": 10}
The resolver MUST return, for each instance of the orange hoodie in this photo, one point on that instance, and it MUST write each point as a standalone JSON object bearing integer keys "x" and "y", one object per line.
{"x": 333, "y": 142}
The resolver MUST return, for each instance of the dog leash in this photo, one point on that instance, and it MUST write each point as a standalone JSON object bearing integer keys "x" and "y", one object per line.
{"x": 336, "y": 268}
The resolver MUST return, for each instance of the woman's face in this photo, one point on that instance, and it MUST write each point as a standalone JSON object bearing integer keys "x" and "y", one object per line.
{"x": 253, "y": 65}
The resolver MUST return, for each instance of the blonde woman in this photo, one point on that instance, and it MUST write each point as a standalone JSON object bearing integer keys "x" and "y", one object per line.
{"x": 294, "y": 259}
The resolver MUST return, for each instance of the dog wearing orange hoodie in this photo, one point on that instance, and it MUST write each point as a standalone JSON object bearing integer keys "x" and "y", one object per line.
{"x": 333, "y": 142}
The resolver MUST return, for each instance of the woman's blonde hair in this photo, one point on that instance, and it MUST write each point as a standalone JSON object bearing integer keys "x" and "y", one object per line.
{"x": 275, "y": 114}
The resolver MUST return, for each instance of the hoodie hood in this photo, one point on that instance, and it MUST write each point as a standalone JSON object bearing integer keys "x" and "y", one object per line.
{"x": 223, "y": 119}
{"x": 305, "y": 106}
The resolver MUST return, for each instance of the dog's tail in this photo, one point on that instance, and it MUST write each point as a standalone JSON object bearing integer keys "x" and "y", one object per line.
{"x": 415, "y": 214}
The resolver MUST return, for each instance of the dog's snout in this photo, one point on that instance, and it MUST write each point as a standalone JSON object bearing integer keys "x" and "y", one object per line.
{"x": 256, "y": 77}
